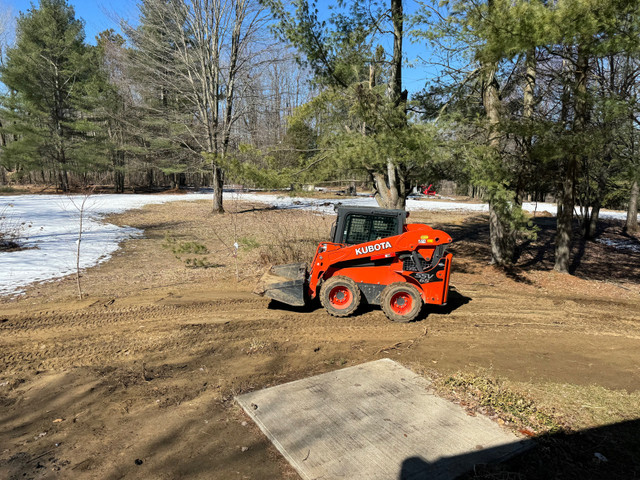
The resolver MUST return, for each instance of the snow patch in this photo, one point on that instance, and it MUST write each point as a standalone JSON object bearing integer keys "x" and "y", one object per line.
{"x": 620, "y": 244}
{"x": 51, "y": 244}
{"x": 50, "y": 248}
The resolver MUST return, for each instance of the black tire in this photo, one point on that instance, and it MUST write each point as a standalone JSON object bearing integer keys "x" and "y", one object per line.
{"x": 340, "y": 296}
{"x": 401, "y": 302}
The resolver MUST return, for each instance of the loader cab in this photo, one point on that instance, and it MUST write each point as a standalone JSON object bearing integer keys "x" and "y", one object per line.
{"x": 356, "y": 225}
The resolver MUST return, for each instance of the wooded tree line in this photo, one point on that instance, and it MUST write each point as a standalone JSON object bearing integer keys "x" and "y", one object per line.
{"x": 532, "y": 98}
{"x": 555, "y": 85}
{"x": 164, "y": 103}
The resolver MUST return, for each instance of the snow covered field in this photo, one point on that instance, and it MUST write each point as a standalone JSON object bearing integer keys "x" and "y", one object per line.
{"x": 51, "y": 225}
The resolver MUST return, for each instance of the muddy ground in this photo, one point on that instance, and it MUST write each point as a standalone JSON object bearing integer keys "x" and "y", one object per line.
{"x": 137, "y": 379}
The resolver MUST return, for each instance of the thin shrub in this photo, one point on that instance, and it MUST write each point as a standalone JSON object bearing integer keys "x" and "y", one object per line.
{"x": 11, "y": 230}
{"x": 293, "y": 237}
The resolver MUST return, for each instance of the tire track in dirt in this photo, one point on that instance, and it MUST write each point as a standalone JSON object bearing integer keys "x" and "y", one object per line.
{"x": 93, "y": 338}
{"x": 109, "y": 316}
{"x": 95, "y": 350}
{"x": 98, "y": 336}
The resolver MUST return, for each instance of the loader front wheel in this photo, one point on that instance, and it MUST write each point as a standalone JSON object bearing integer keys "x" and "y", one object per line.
{"x": 401, "y": 302}
{"x": 340, "y": 296}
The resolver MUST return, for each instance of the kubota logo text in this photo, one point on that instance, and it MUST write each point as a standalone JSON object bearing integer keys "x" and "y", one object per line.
{"x": 372, "y": 248}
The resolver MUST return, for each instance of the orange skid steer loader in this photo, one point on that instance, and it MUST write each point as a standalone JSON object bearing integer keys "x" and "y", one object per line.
{"x": 373, "y": 253}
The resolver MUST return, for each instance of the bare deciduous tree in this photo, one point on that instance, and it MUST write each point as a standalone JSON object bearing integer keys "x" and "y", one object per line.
{"x": 5, "y": 28}
{"x": 194, "y": 54}
{"x": 6, "y": 16}
{"x": 80, "y": 204}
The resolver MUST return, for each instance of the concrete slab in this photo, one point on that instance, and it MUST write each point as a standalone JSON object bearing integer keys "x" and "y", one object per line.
{"x": 374, "y": 421}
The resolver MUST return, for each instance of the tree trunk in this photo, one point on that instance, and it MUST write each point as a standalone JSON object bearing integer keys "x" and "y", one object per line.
{"x": 3, "y": 138}
{"x": 394, "y": 88}
{"x": 386, "y": 196}
{"x": 564, "y": 225}
{"x": 631, "y": 225}
{"x": 592, "y": 227}
{"x": 502, "y": 244}
{"x": 117, "y": 159}
{"x": 218, "y": 173}
{"x": 119, "y": 172}
{"x": 528, "y": 103}
{"x": 391, "y": 188}
{"x": 218, "y": 185}
{"x": 567, "y": 195}
{"x": 500, "y": 234}
{"x": 63, "y": 180}
{"x": 528, "y": 98}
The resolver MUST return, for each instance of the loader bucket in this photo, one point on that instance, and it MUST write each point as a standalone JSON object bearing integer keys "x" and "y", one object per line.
{"x": 284, "y": 283}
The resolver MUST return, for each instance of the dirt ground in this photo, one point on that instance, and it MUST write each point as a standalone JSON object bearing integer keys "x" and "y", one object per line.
{"x": 137, "y": 379}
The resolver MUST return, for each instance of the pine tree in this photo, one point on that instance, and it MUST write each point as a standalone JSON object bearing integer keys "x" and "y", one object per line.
{"x": 549, "y": 120}
{"x": 361, "y": 113}
{"x": 46, "y": 72}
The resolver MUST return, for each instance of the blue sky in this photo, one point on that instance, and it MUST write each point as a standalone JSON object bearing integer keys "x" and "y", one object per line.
{"x": 100, "y": 15}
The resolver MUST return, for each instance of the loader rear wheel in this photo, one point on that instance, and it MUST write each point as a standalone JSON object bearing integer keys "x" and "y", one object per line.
{"x": 401, "y": 302}
{"x": 340, "y": 296}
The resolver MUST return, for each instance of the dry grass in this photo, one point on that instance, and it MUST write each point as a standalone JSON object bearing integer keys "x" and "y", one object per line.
{"x": 481, "y": 392}
{"x": 584, "y": 406}
{"x": 533, "y": 407}
{"x": 247, "y": 237}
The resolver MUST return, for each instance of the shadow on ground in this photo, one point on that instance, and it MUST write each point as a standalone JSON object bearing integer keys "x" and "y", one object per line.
{"x": 168, "y": 441}
{"x": 455, "y": 300}
{"x": 609, "y": 452}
